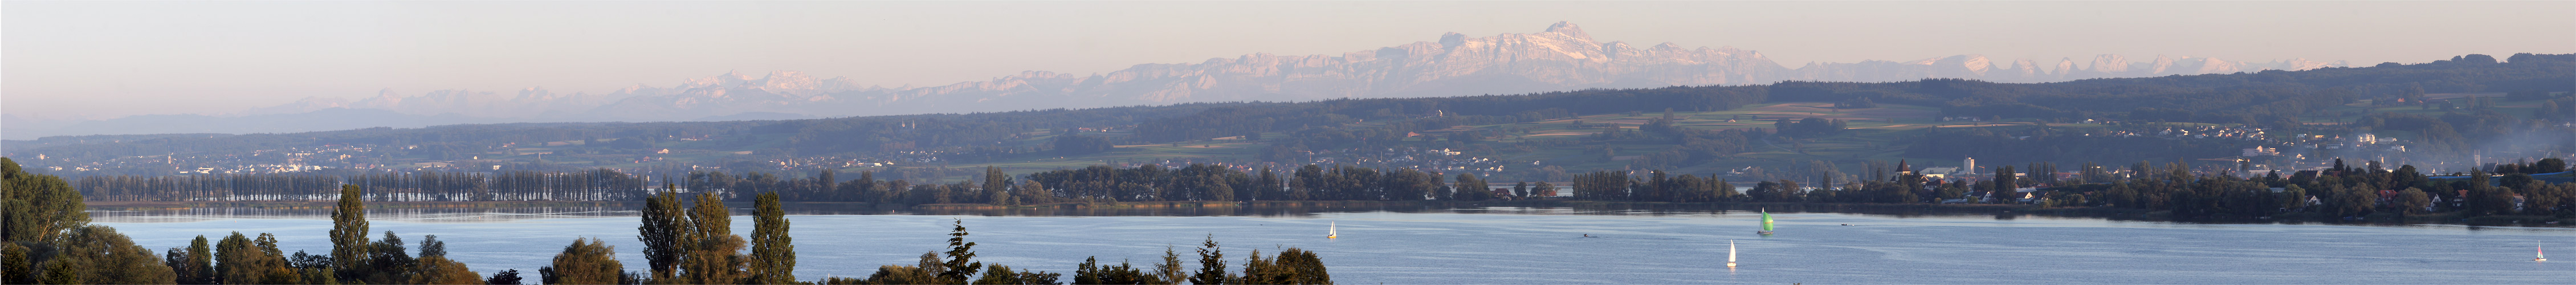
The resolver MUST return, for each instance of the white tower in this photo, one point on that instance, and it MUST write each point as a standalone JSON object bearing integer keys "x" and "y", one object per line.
{"x": 1968, "y": 166}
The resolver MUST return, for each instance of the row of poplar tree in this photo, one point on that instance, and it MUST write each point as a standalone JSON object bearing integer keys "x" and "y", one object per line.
{"x": 1194, "y": 182}
{"x": 592, "y": 185}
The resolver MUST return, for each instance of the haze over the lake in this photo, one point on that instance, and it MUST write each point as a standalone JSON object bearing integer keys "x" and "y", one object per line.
{"x": 96, "y": 60}
{"x": 101, "y": 60}
{"x": 1321, "y": 142}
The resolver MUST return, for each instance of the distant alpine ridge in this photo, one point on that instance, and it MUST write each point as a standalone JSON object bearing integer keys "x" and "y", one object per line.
{"x": 1562, "y": 57}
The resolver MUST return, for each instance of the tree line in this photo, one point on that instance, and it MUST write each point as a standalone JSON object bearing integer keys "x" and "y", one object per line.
{"x": 2337, "y": 192}
{"x": 48, "y": 241}
{"x": 2054, "y": 144}
{"x": 2268, "y": 98}
{"x": 2172, "y": 187}
{"x": 590, "y": 185}
{"x": 689, "y": 241}
{"x": 1152, "y": 182}
{"x": 2168, "y": 187}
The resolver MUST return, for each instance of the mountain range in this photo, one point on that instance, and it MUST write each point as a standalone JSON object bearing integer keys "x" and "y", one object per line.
{"x": 1562, "y": 57}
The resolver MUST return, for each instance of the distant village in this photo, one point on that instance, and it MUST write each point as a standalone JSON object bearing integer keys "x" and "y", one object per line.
{"x": 2267, "y": 154}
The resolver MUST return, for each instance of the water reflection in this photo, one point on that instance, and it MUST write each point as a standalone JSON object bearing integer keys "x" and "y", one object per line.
{"x": 434, "y": 215}
{"x": 1526, "y": 245}
{"x": 454, "y": 213}
{"x": 477, "y": 213}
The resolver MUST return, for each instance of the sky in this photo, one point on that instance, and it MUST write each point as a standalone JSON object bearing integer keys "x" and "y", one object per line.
{"x": 104, "y": 59}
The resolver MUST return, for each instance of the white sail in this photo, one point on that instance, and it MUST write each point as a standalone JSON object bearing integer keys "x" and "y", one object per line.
{"x": 1335, "y": 231}
{"x": 1730, "y": 255}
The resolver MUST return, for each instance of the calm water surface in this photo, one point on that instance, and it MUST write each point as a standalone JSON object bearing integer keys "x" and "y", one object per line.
{"x": 1524, "y": 245}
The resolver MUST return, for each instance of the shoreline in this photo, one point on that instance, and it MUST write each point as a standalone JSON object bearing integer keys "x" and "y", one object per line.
{"x": 1283, "y": 208}
{"x": 327, "y": 204}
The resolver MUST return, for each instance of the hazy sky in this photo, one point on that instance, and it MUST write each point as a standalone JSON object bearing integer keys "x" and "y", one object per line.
{"x": 97, "y": 59}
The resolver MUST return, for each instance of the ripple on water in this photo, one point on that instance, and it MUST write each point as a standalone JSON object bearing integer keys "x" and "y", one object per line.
{"x": 1546, "y": 247}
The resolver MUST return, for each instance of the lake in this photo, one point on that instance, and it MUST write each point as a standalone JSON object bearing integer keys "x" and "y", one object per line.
{"x": 1515, "y": 245}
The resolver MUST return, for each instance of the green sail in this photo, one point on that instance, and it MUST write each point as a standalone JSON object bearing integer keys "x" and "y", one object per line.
{"x": 1766, "y": 221}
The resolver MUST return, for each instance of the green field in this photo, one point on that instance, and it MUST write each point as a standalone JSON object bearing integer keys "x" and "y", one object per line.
{"x": 1873, "y": 134}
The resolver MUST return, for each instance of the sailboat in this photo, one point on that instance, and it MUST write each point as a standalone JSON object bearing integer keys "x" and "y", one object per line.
{"x": 1730, "y": 253}
{"x": 1335, "y": 231}
{"x": 1766, "y": 222}
{"x": 2537, "y": 254}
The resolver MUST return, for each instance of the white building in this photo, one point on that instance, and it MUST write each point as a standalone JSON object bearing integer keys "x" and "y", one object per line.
{"x": 2258, "y": 151}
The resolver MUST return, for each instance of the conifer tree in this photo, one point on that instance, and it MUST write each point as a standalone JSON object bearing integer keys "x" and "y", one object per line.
{"x": 1211, "y": 264}
{"x": 15, "y": 266}
{"x": 1257, "y": 270}
{"x": 59, "y": 273}
{"x": 961, "y": 256}
{"x": 1086, "y": 273}
{"x": 504, "y": 277}
{"x": 1169, "y": 270}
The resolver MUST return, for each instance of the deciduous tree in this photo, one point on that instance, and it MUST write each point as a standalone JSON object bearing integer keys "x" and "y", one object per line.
{"x": 349, "y": 247}
{"x": 592, "y": 262}
{"x": 773, "y": 251}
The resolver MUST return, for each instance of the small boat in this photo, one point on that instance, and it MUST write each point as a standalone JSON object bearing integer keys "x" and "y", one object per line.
{"x": 1335, "y": 231}
{"x": 1730, "y": 253}
{"x": 1766, "y": 222}
{"x": 2537, "y": 254}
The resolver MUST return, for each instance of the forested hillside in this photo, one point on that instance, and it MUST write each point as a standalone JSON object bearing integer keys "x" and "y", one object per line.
{"x": 2442, "y": 108}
